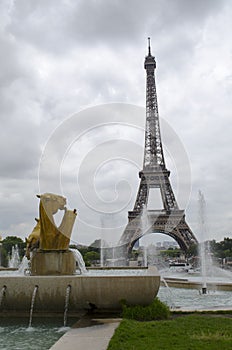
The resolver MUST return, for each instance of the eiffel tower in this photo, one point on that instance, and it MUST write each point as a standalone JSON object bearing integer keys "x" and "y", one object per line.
{"x": 170, "y": 220}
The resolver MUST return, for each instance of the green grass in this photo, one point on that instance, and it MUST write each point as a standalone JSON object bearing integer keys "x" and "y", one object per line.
{"x": 193, "y": 332}
{"x": 155, "y": 311}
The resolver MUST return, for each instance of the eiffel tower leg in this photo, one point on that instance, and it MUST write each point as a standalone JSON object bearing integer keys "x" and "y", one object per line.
{"x": 184, "y": 236}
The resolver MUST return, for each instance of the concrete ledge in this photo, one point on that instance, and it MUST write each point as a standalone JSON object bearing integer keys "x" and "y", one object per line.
{"x": 185, "y": 283}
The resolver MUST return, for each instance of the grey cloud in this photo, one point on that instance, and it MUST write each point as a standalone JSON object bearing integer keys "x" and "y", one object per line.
{"x": 57, "y": 26}
{"x": 59, "y": 57}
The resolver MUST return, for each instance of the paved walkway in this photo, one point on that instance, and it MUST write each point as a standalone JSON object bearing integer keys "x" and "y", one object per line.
{"x": 87, "y": 337}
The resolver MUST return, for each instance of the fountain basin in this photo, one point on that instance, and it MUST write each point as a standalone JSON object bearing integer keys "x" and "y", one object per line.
{"x": 102, "y": 291}
{"x": 190, "y": 284}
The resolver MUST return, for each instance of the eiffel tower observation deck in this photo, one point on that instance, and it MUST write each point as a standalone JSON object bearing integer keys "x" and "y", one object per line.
{"x": 169, "y": 220}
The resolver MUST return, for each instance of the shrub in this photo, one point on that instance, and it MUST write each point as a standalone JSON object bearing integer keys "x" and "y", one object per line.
{"x": 155, "y": 311}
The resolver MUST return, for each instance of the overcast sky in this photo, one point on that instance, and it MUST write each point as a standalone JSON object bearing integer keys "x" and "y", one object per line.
{"x": 72, "y": 98}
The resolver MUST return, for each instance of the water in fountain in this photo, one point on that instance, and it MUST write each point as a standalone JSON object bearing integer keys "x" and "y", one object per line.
{"x": 202, "y": 228}
{"x": 2, "y": 294}
{"x": 14, "y": 260}
{"x": 145, "y": 256}
{"x": 170, "y": 300}
{"x": 203, "y": 267}
{"x": 113, "y": 255}
{"x": 155, "y": 259}
{"x": 0, "y": 254}
{"x": 24, "y": 266}
{"x": 16, "y": 335}
{"x": 32, "y": 305}
{"x": 191, "y": 299}
{"x": 101, "y": 254}
{"x": 80, "y": 261}
{"x": 102, "y": 242}
{"x": 144, "y": 227}
{"x": 112, "y": 262}
{"x": 144, "y": 221}
{"x": 67, "y": 296}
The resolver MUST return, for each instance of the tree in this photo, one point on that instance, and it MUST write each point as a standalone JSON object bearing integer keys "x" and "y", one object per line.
{"x": 8, "y": 243}
{"x": 222, "y": 249}
{"x": 171, "y": 253}
{"x": 91, "y": 257}
{"x": 193, "y": 250}
{"x": 3, "y": 257}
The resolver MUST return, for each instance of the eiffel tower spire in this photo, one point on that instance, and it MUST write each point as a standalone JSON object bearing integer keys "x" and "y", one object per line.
{"x": 170, "y": 220}
{"x": 153, "y": 152}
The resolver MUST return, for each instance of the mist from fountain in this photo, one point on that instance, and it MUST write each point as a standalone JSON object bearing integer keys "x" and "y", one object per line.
{"x": 102, "y": 242}
{"x": 145, "y": 225}
{"x": 101, "y": 254}
{"x": 202, "y": 249}
{"x": 15, "y": 259}
{"x": 144, "y": 221}
{"x": 151, "y": 255}
{"x": 145, "y": 256}
{"x": 24, "y": 266}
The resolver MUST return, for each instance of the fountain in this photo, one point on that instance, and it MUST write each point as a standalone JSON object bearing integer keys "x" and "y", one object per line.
{"x": 221, "y": 280}
{"x": 14, "y": 260}
{"x": 209, "y": 288}
{"x": 32, "y": 305}
{"x": 189, "y": 287}
{"x": 52, "y": 267}
{"x": 79, "y": 260}
{"x": 67, "y": 296}
{"x": 2, "y": 294}
{"x": 145, "y": 256}
{"x": 183, "y": 289}
{"x": 202, "y": 247}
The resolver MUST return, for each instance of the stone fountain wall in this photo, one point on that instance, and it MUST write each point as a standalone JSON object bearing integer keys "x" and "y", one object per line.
{"x": 50, "y": 263}
{"x": 105, "y": 292}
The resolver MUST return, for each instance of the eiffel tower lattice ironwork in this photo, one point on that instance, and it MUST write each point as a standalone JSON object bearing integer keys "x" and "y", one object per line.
{"x": 170, "y": 220}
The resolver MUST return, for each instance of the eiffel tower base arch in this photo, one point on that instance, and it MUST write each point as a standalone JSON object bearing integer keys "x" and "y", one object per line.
{"x": 172, "y": 224}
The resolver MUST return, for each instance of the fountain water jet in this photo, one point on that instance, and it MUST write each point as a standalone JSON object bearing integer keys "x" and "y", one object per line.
{"x": 80, "y": 261}
{"x": 101, "y": 254}
{"x": 32, "y": 304}
{"x": 202, "y": 227}
{"x": 171, "y": 297}
{"x": 14, "y": 260}
{"x": 67, "y": 297}
{"x": 145, "y": 224}
{"x": 2, "y": 294}
{"x": 145, "y": 256}
{"x": 24, "y": 267}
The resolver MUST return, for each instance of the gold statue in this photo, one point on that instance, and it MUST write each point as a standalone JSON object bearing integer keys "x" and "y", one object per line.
{"x": 33, "y": 239}
{"x": 46, "y": 235}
